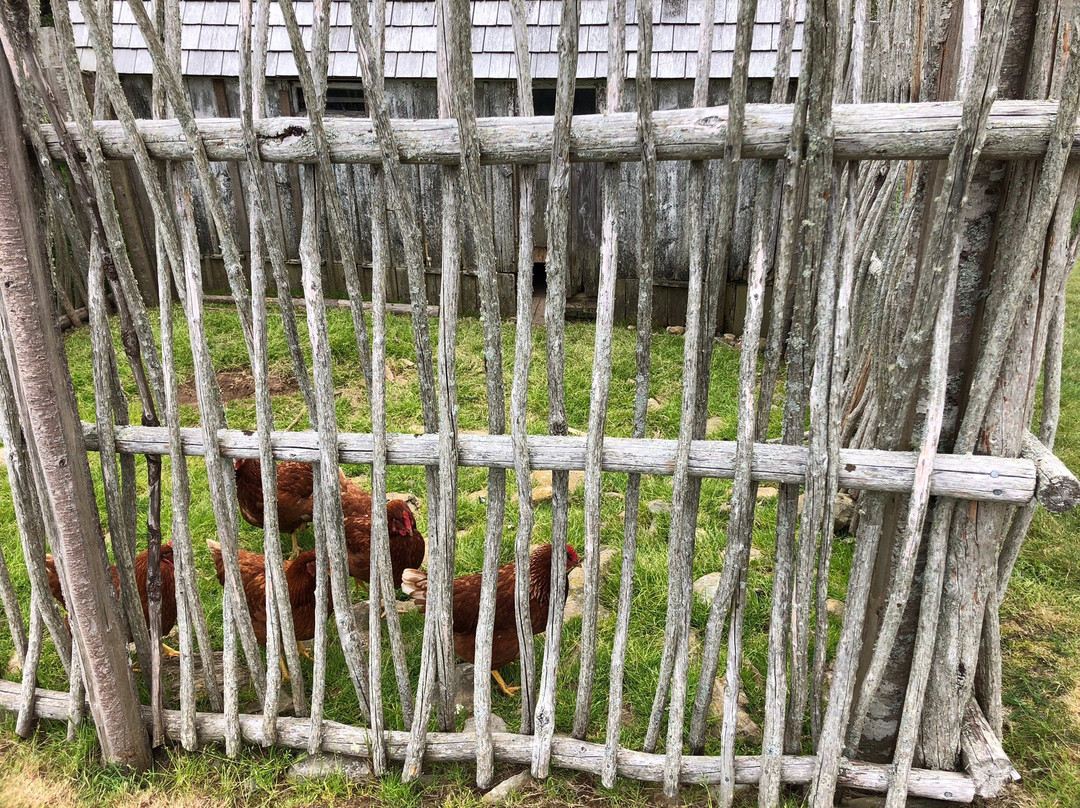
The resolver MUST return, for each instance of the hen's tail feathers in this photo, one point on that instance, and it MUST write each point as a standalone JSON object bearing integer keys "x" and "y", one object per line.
{"x": 414, "y": 584}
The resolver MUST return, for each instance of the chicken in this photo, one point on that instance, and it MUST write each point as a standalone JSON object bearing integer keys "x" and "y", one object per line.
{"x": 407, "y": 546}
{"x": 300, "y": 577}
{"x": 168, "y": 588}
{"x": 355, "y": 501}
{"x": 504, "y": 646}
{"x": 295, "y": 495}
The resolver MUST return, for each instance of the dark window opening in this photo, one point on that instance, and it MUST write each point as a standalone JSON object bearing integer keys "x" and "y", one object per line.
{"x": 584, "y": 101}
{"x": 342, "y": 100}
{"x": 539, "y": 278}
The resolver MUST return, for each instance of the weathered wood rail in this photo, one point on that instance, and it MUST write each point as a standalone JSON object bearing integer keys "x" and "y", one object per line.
{"x": 977, "y": 477}
{"x": 1016, "y": 129}
{"x": 566, "y": 753}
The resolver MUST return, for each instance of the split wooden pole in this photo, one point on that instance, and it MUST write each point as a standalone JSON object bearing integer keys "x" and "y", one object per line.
{"x": 49, "y": 418}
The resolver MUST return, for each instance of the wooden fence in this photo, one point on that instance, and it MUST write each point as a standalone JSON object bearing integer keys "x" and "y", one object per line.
{"x": 879, "y": 309}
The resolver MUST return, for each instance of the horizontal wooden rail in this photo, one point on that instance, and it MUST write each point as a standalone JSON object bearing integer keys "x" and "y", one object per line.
{"x": 1017, "y": 129}
{"x": 979, "y": 477}
{"x": 1057, "y": 488}
{"x": 567, "y": 753}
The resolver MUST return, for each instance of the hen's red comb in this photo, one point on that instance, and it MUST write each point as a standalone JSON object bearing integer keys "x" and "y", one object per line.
{"x": 572, "y": 556}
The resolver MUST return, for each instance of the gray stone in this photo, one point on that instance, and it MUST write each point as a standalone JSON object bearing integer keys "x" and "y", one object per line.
{"x": 575, "y": 589}
{"x": 835, "y": 608}
{"x": 318, "y": 767}
{"x": 705, "y": 587}
{"x": 767, "y": 492}
{"x": 497, "y": 724}
{"x": 499, "y": 793}
{"x": 843, "y": 511}
{"x": 658, "y": 506}
{"x": 653, "y": 405}
{"x": 463, "y": 701}
{"x": 745, "y": 726}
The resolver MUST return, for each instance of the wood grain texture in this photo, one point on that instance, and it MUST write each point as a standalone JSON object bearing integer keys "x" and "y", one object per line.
{"x": 979, "y": 477}
{"x": 49, "y": 416}
{"x": 567, "y": 753}
{"x": 928, "y": 131}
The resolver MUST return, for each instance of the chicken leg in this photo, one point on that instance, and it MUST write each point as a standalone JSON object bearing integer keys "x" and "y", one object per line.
{"x": 512, "y": 692}
{"x": 166, "y": 651}
{"x": 303, "y": 651}
{"x": 295, "y": 547}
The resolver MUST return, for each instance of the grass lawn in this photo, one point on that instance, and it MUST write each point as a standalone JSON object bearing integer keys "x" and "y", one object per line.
{"x": 1042, "y": 614}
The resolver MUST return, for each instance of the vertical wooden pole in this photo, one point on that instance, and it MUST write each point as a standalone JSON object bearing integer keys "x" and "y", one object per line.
{"x": 47, "y": 410}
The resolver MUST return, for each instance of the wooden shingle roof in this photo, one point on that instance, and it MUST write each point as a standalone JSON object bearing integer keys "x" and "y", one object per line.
{"x": 210, "y": 38}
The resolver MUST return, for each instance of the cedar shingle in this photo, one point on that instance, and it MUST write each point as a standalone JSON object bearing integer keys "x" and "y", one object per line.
{"x": 593, "y": 12}
{"x": 409, "y": 65}
{"x": 498, "y": 39}
{"x": 485, "y": 12}
{"x": 423, "y": 13}
{"x": 192, "y": 12}
{"x": 213, "y": 13}
{"x": 663, "y": 36}
{"x": 340, "y": 37}
{"x": 189, "y": 37}
{"x": 401, "y": 14}
{"x": 124, "y": 60}
{"x": 398, "y": 39}
{"x": 230, "y": 63}
{"x": 423, "y": 39}
{"x": 279, "y": 39}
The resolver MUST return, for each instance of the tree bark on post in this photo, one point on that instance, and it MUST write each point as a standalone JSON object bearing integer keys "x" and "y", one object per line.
{"x": 50, "y": 420}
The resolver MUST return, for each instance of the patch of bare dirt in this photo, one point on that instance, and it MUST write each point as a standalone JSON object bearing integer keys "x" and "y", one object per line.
{"x": 239, "y": 384}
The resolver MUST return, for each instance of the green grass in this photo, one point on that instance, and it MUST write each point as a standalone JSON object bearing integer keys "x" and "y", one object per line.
{"x": 1042, "y": 613}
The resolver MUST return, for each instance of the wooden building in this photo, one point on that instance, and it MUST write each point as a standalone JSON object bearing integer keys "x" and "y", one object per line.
{"x": 210, "y": 41}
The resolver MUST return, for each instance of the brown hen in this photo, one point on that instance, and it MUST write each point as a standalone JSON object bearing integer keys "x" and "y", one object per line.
{"x": 168, "y": 588}
{"x": 300, "y": 577}
{"x": 504, "y": 646}
{"x": 407, "y": 545}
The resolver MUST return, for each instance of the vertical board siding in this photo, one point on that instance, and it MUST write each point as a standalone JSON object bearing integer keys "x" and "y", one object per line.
{"x": 416, "y": 98}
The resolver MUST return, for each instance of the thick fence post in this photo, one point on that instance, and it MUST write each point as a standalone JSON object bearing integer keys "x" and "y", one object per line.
{"x": 49, "y": 417}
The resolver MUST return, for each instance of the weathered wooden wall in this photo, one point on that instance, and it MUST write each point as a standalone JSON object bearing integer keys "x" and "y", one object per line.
{"x": 218, "y": 97}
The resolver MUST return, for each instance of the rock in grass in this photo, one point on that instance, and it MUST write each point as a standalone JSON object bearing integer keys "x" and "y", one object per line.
{"x": 835, "y": 608}
{"x": 14, "y": 665}
{"x": 319, "y": 767}
{"x": 407, "y": 497}
{"x": 676, "y": 329}
{"x": 705, "y": 587}
{"x": 843, "y": 511}
{"x": 714, "y": 425}
{"x": 658, "y": 506}
{"x": 745, "y": 726}
{"x": 477, "y": 496}
{"x": 767, "y": 492}
{"x": 497, "y": 724}
{"x": 499, "y": 793}
{"x": 463, "y": 700}
{"x": 541, "y": 484}
{"x": 654, "y": 405}
{"x": 575, "y": 587}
